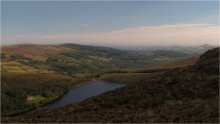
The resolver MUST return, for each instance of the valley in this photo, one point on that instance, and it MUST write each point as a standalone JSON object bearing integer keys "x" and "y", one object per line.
{"x": 31, "y": 81}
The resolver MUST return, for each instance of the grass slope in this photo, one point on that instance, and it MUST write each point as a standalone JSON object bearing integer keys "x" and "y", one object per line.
{"x": 35, "y": 52}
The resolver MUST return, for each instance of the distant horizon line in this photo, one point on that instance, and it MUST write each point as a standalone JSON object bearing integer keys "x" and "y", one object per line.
{"x": 57, "y": 44}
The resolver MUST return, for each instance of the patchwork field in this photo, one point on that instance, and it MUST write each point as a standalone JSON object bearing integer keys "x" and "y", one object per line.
{"x": 12, "y": 66}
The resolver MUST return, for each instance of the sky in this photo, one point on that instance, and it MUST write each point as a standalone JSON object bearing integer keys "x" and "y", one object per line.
{"x": 110, "y": 23}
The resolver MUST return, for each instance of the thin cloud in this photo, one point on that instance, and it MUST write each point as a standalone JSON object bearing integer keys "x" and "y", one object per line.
{"x": 178, "y": 34}
{"x": 85, "y": 24}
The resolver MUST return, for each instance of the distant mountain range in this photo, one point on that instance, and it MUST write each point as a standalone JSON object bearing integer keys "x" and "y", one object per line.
{"x": 185, "y": 49}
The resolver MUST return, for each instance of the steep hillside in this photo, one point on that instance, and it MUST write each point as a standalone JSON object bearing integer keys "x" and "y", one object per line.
{"x": 208, "y": 62}
{"x": 187, "y": 94}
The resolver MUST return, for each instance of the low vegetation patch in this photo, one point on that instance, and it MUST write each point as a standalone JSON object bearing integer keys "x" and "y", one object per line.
{"x": 16, "y": 87}
{"x": 36, "y": 99}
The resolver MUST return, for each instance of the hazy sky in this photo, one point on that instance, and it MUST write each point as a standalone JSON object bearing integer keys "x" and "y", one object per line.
{"x": 110, "y": 23}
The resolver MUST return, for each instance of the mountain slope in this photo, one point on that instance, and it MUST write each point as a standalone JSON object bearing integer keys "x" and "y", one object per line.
{"x": 209, "y": 62}
{"x": 181, "y": 95}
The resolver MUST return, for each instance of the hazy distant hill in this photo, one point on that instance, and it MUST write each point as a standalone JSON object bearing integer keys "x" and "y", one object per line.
{"x": 186, "y": 95}
{"x": 184, "y": 49}
{"x": 196, "y": 49}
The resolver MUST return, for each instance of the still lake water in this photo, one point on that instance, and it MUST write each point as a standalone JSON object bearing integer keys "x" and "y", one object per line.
{"x": 83, "y": 92}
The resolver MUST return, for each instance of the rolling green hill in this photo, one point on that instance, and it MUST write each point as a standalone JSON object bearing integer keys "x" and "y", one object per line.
{"x": 80, "y": 59}
{"x": 187, "y": 95}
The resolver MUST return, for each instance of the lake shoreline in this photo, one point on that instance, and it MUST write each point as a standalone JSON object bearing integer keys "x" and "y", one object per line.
{"x": 76, "y": 86}
{"x": 46, "y": 103}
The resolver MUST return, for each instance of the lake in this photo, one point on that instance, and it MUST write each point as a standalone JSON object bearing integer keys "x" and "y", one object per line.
{"x": 83, "y": 92}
